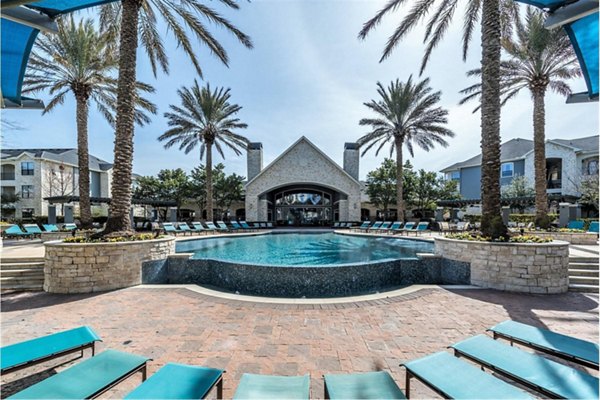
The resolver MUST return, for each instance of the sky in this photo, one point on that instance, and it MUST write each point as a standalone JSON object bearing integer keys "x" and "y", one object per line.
{"x": 308, "y": 74}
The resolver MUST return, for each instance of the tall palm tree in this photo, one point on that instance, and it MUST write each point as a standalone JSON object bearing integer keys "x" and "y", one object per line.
{"x": 205, "y": 118}
{"x": 80, "y": 60}
{"x": 138, "y": 19}
{"x": 495, "y": 16}
{"x": 407, "y": 116}
{"x": 539, "y": 59}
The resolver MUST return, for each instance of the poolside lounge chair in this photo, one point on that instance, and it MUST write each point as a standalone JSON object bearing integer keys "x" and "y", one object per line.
{"x": 213, "y": 227}
{"x": 530, "y": 370}
{"x": 180, "y": 381}
{"x": 462, "y": 226}
{"x": 184, "y": 228}
{"x": 197, "y": 228}
{"x": 365, "y": 225}
{"x": 236, "y": 226}
{"x": 421, "y": 227}
{"x": 396, "y": 227}
{"x": 594, "y": 227}
{"x": 253, "y": 386}
{"x": 16, "y": 232}
{"x": 270, "y": 225}
{"x": 408, "y": 227}
{"x": 263, "y": 225}
{"x": 69, "y": 227}
{"x": 368, "y": 385}
{"x": 444, "y": 227}
{"x": 336, "y": 224}
{"x": 168, "y": 227}
{"x": 245, "y": 225}
{"x": 576, "y": 225}
{"x": 384, "y": 227}
{"x": 556, "y": 344}
{"x": 455, "y": 379}
{"x": 24, "y": 354}
{"x": 89, "y": 378}
{"x": 223, "y": 226}
{"x": 50, "y": 228}
{"x": 375, "y": 226}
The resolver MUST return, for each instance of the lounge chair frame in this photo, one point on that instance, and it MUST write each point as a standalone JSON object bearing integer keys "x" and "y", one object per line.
{"x": 61, "y": 353}
{"x": 536, "y": 347}
{"x": 143, "y": 369}
{"x": 410, "y": 375}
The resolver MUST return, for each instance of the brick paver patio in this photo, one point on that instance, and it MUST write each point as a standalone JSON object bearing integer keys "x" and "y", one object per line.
{"x": 179, "y": 325}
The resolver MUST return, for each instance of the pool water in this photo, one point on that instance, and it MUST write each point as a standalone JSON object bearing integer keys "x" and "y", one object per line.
{"x": 303, "y": 249}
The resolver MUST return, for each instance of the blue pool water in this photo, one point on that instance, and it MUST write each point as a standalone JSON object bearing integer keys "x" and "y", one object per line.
{"x": 303, "y": 249}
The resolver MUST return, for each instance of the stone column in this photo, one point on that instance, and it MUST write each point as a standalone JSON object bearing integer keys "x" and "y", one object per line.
{"x": 505, "y": 215}
{"x": 343, "y": 205}
{"x": 52, "y": 214}
{"x": 263, "y": 208}
{"x": 564, "y": 214}
{"x": 454, "y": 213}
{"x": 172, "y": 214}
{"x": 68, "y": 214}
{"x": 574, "y": 212}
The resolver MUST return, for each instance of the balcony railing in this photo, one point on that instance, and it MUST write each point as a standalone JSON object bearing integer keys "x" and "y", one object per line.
{"x": 7, "y": 176}
{"x": 555, "y": 184}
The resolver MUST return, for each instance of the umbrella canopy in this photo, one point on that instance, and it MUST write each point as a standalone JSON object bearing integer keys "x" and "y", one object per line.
{"x": 21, "y": 23}
{"x": 579, "y": 18}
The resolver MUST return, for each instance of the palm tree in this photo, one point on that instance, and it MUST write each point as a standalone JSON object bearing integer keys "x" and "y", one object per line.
{"x": 407, "y": 116}
{"x": 138, "y": 19}
{"x": 539, "y": 59}
{"x": 205, "y": 118}
{"x": 495, "y": 17}
{"x": 80, "y": 60}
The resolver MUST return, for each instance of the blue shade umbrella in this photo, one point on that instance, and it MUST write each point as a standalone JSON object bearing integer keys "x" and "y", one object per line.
{"x": 21, "y": 23}
{"x": 579, "y": 18}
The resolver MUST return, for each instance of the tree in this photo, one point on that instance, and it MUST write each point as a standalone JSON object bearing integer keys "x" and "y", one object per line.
{"x": 168, "y": 185}
{"x": 381, "y": 185}
{"x": 447, "y": 189}
{"x": 407, "y": 116}
{"x": 205, "y": 118}
{"x": 79, "y": 59}
{"x": 60, "y": 182}
{"x": 588, "y": 187}
{"x": 539, "y": 59}
{"x": 198, "y": 184}
{"x": 139, "y": 17}
{"x": 518, "y": 187}
{"x": 495, "y": 18}
{"x": 426, "y": 190}
{"x": 228, "y": 190}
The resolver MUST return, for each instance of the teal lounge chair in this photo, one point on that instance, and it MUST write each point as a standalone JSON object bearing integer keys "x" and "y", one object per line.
{"x": 594, "y": 225}
{"x": 365, "y": 226}
{"x": 556, "y": 344}
{"x": 87, "y": 379}
{"x": 168, "y": 227}
{"x": 375, "y": 226}
{"x": 50, "y": 228}
{"x": 34, "y": 229}
{"x": 336, "y": 224}
{"x": 576, "y": 225}
{"x": 198, "y": 228}
{"x": 369, "y": 385}
{"x": 212, "y": 226}
{"x": 24, "y": 354}
{"x": 455, "y": 379}
{"x": 270, "y": 225}
{"x": 262, "y": 225}
{"x": 421, "y": 227}
{"x": 548, "y": 377}
{"x": 16, "y": 232}
{"x": 236, "y": 226}
{"x": 245, "y": 225}
{"x": 184, "y": 227}
{"x": 396, "y": 227}
{"x": 385, "y": 227}
{"x": 69, "y": 227}
{"x": 253, "y": 386}
{"x": 223, "y": 226}
{"x": 180, "y": 381}
{"x": 408, "y": 227}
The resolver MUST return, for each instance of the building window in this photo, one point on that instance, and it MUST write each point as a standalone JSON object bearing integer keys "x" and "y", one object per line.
{"x": 27, "y": 213}
{"x": 592, "y": 167}
{"x": 8, "y": 172}
{"x": 27, "y": 192}
{"x": 454, "y": 176}
{"x": 27, "y": 168}
{"x": 507, "y": 169}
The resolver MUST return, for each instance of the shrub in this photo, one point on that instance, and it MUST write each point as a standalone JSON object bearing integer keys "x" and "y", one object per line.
{"x": 512, "y": 239}
{"x": 133, "y": 238}
{"x": 472, "y": 218}
{"x": 527, "y": 218}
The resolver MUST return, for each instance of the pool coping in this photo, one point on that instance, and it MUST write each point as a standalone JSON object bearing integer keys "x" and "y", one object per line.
{"x": 312, "y": 301}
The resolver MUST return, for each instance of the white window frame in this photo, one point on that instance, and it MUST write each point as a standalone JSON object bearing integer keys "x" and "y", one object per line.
{"x": 512, "y": 169}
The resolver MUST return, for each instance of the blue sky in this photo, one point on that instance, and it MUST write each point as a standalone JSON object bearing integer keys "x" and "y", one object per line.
{"x": 307, "y": 75}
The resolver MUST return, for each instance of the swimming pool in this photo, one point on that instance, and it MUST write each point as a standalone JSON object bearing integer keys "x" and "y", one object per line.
{"x": 304, "y": 249}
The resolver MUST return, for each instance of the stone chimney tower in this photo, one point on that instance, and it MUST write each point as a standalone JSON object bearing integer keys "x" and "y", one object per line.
{"x": 254, "y": 159}
{"x": 351, "y": 158}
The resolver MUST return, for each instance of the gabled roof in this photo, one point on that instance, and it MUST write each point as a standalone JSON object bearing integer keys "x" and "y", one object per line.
{"x": 511, "y": 150}
{"x": 67, "y": 156}
{"x": 587, "y": 144}
{"x": 302, "y": 139}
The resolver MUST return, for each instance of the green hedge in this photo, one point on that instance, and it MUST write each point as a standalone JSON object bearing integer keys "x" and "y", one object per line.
{"x": 527, "y": 218}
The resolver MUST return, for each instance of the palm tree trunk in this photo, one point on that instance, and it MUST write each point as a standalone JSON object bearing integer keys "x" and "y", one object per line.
{"x": 209, "y": 183}
{"x": 399, "y": 182}
{"x": 118, "y": 220}
{"x": 539, "y": 151}
{"x": 491, "y": 221}
{"x": 85, "y": 208}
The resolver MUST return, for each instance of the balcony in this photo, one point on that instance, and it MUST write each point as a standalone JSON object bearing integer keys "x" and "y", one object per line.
{"x": 7, "y": 176}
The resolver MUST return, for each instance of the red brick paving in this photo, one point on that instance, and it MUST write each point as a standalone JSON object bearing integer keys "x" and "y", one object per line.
{"x": 178, "y": 325}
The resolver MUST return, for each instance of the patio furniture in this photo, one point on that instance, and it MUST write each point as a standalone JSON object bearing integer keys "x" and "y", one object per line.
{"x": 211, "y": 226}
{"x": 16, "y": 232}
{"x": 576, "y": 225}
{"x": 88, "y": 379}
{"x": 368, "y": 385}
{"x": 453, "y": 378}
{"x": 50, "y": 228}
{"x": 236, "y": 226}
{"x": 594, "y": 227}
{"x": 253, "y": 386}
{"x": 336, "y": 224}
{"x": 24, "y": 354}
{"x": 395, "y": 226}
{"x": 556, "y": 344}
{"x": 263, "y": 225}
{"x": 168, "y": 227}
{"x": 270, "y": 225}
{"x": 197, "y": 227}
{"x": 421, "y": 227}
{"x": 530, "y": 370}
{"x": 444, "y": 227}
{"x": 384, "y": 227}
{"x": 375, "y": 226}
{"x": 462, "y": 226}
{"x": 245, "y": 225}
{"x": 180, "y": 381}
{"x": 223, "y": 226}
{"x": 184, "y": 227}
{"x": 69, "y": 227}
{"x": 408, "y": 227}
{"x": 365, "y": 226}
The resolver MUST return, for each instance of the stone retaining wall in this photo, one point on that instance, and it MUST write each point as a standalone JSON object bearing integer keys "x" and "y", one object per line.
{"x": 95, "y": 267}
{"x": 582, "y": 238}
{"x": 516, "y": 267}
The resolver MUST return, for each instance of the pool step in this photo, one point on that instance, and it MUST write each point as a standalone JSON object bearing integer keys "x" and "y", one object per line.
{"x": 584, "y": 274}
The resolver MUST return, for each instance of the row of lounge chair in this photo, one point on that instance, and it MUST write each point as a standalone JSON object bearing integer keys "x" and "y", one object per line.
{"x": 394, "y": 227}
{"x": 447, "y": 375}
{"x": 186, "y": 228}
{"x": 33, "y": 230}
